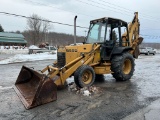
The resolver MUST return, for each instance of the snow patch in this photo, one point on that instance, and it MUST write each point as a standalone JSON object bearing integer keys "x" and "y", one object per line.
{"x": 5, "y": 88}
{"x": 13, "y": 51}
{"x": 33, "y": 47}
{"x": 158, "y": 51}
{"x": 28, "y": 57}
{"x": 86, "y": 93}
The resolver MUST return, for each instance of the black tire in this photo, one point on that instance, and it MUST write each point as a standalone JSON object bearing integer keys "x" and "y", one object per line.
{"x": 122, "y": 66}
{"x": 99, "y": 78}
{"x": 84, "y": 76}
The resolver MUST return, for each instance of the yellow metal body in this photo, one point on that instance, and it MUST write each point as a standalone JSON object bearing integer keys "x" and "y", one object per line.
{"x": 35, "y": 88}
{"x": 89, "y": 54}
{"x": 76, "y": 56}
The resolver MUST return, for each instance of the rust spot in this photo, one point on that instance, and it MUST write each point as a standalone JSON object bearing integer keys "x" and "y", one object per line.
{"x": 34, "y": 88}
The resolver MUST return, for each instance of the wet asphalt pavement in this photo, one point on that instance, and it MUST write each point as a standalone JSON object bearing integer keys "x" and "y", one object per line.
{"x": 115, "y": 101}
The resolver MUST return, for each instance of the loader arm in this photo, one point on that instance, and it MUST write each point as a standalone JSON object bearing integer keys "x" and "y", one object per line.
{"x": 39, "y": 87}
{"x": 134, "y": 38}
{"x": 63, "y": 73}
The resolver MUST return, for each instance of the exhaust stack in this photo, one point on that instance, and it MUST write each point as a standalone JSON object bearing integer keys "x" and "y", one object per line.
{"x": 75, "y": 30}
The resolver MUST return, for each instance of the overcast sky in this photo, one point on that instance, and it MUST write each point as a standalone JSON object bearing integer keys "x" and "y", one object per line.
{"x": 64, "y": 11}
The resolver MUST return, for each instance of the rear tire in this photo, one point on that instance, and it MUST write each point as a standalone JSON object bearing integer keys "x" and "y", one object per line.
{"x": 122, "y": 66}
{"x": 147, "y": 53}
{"x": 84, "y": 76}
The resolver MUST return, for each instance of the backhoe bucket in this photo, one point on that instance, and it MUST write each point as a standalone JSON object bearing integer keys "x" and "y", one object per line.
{"x": 34, "y": 88}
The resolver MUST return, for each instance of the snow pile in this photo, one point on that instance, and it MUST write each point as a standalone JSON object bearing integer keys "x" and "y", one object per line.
{"x": 33, "y": 47}
{"x": 86, "y": 91}
{"x": 158, "y": 51}
{"x": 16, "y": 49}
{"x": 28, "y": 57}
{"x": 13, "y": 51}
{"x": 13, "y": 47}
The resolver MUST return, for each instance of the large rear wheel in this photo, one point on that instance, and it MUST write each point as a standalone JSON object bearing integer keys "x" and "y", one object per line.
{"x": 84, "y": 76}
{"x": 122, "y": 66}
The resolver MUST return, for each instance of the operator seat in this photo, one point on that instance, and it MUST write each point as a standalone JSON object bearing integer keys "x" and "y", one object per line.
{"x": 124, "y": 41}
{"x": 106, "y": 49}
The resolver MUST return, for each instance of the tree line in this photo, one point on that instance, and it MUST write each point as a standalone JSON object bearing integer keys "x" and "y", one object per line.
{"x": 53, "y": 38}
{"x": 153, "y": 45}
{"x": 1, "y": 28}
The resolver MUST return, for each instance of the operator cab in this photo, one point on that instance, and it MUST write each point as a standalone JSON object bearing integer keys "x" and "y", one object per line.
{"x": 108, "y": 33}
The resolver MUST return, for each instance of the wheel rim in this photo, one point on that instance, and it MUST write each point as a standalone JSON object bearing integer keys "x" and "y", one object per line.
{"x": 87, "y": 77}
{"x": 127, "y": 66}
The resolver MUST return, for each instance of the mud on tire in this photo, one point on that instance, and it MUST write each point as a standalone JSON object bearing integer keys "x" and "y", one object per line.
{"x": 122, "y": 66}
{"x": 84, "y": 76}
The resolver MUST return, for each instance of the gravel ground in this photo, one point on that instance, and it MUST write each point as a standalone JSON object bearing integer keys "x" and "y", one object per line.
{"x": 116, "y": 101}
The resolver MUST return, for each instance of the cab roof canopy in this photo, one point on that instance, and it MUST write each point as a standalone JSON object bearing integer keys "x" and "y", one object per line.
{"x": 110, "y": 21}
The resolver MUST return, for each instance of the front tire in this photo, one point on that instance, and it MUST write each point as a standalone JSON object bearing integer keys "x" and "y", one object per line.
{"x": 84, "y": 76}
{"x": 122, "y": 66}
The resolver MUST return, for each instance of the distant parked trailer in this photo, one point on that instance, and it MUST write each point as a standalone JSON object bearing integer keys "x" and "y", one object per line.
{"x": 147, "y": 51}
{"x": 51, "y": 49}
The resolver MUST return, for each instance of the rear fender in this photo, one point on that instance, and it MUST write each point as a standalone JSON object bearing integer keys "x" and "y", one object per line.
{"x": 120, "y": 50}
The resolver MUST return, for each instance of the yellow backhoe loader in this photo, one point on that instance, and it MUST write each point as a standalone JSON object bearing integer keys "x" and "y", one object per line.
{"x": 110, "y": 48}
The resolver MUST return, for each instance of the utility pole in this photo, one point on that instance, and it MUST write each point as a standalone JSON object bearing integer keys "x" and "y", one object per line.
{"x": 85, "y": 32}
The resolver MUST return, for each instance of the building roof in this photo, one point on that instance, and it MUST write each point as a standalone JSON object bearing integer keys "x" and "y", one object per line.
{"x": 13, "y": 35}
{"x": 12, "y": 38}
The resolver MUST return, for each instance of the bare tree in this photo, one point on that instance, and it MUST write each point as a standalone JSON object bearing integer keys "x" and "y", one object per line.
{"x": 45, "y": 27}
{"x": 37, "y": 28}
{"x": 1, "y": 28}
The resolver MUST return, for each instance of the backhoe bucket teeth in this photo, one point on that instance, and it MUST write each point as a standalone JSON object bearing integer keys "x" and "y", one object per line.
{"x": 34, "y": 88}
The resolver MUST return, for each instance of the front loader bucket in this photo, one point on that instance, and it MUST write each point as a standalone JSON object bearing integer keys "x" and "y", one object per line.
{"x": 34, "y": 88}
